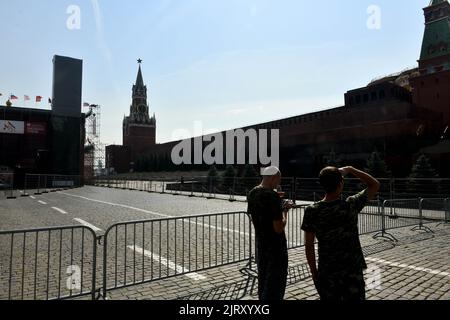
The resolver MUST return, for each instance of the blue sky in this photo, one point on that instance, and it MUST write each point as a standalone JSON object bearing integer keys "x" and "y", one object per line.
{"x": 227, "y": 63}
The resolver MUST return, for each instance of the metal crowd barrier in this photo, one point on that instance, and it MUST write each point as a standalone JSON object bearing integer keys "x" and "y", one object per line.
{"x": 431, "y": 210}
{"x": 294, "y": 234}
{"x": 139, "y": 252}
{"x": 400, "y": 213}
{"x": 226, "y": 188}
{"x": 395, "y": 188}
{"x": 139, "y": 185}
{"x": 61, "y": 262}
{"x": 370, "y": 219}
{"x": 43, "y": 183}
{"x": 307, "y": 189}
{"x": 48, "y": 263}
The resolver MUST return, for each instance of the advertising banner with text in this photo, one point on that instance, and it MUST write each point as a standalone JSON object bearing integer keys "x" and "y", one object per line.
{"x": 12, "y": 127}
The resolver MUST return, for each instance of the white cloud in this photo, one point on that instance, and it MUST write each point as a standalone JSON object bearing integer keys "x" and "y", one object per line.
{"x": 100, "y": 32}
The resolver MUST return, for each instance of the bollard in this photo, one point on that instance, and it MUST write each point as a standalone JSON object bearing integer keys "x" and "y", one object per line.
{"x": 11, "y": 194}
{"x": 192, "y": 189}
{"x": 38, "y": 186}
{"x": 45, "y": 184}
{"x": 25, "y": 194}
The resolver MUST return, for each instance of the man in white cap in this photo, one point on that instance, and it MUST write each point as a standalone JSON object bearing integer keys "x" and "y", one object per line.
{"x": 269, "y": 217}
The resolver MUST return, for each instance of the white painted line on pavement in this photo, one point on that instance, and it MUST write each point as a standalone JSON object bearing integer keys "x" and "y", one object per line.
{"x": 59, "y": 210}
{"x": 87, "y": 224}
{"x": 402, "y": 265}
{"x": 42, "y": 202}
{"x": 194, "y": 276}
{"x": 117, "y": 205}
{"x": 155, "y": 213}
{"x": 152, "y": 212}
{"x": 32, "y": 197}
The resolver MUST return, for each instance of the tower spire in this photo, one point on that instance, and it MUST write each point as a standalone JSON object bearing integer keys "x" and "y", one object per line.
{"x": 139, "y": 79}
{"x": 139, "y": 130}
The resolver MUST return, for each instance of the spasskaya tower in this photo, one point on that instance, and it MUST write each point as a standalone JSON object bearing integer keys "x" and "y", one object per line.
{"x": 139, "y": 129}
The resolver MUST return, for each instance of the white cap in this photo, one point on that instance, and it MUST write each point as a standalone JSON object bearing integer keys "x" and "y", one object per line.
{"x": 270, "y": 171}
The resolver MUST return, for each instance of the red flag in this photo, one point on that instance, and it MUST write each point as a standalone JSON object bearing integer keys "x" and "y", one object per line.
{"x": 26, "y": 98}
{"x": 13, "y": 97}
{"x": 38, "y": 98}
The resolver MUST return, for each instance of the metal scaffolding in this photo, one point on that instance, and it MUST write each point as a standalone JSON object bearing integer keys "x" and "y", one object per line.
{"x": 94, "y": 149}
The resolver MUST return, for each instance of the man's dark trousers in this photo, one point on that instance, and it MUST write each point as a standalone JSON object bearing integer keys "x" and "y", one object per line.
{"x": 272, "y": 275}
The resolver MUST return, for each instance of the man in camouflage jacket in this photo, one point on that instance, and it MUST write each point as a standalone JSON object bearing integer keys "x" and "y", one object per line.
{"x": 334, "y": 222}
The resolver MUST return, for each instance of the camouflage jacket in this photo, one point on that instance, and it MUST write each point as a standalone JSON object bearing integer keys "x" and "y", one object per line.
{"x": 335, "y": 225}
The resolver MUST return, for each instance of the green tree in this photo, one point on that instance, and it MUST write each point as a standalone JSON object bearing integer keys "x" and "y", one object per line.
{"x": 228, "y": 177}
{"x": 422, "y": 180}
{"x": 213, "y": 173}
{"x": 213, "y": 178}
{"x": 377, "y": 167}
{"x": 250, "y": 177}
{"x": 422, "y": 169}
{"x": 249, "y": 172}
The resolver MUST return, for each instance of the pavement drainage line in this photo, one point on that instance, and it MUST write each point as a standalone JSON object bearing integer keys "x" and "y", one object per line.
{"x": 194, "y": 276}
{"x": 402, "y": 265}
{"x": 87, "y": 224}
{"x": 59, "y": 210}
{"x": 42, "y": 202}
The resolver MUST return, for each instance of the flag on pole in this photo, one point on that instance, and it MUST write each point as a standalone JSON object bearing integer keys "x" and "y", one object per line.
{"x": 26, "y": 98}
{"x": 86, "y": 104}
{"x": 38, "y": 98}
{"x": 13, "y": 97}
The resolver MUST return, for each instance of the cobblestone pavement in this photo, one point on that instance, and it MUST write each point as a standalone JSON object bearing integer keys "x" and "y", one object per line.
{"x": 103, "y": 207}
{"x": 417, "y": 268}
{"x": 99, "y": 208}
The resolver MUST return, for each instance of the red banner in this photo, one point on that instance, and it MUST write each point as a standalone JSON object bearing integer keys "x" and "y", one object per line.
{"x": 36, "y": 128}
